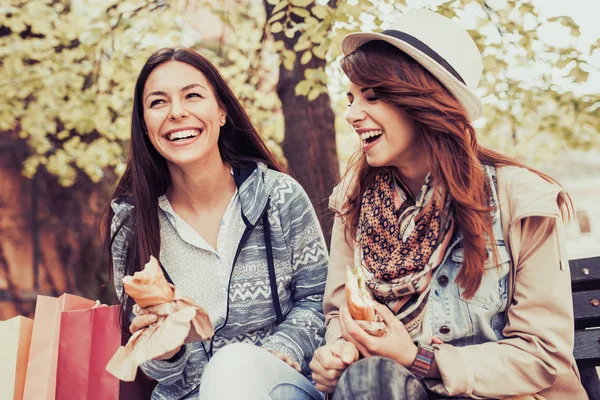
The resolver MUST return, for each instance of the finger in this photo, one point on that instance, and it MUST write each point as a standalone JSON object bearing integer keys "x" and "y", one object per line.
{"x": 276, "y": 353}
{"x": 347, "y": 352}
{"x": 436, "y": 340}
{"x": 361, "y": 348}
{"x": 99, "y": 304}
{"x": 326, "y": 375}
{"x": 356, "y": 335}
{"x": 326, "y": 357}
{"x": 142, "y": 321}
{"x": 342, "y": 323}
{"x": 288, "y": 360}
{"x": 388, "y": 316}
{"x": 324, "y": 380}
{"x": 280, "y": 355}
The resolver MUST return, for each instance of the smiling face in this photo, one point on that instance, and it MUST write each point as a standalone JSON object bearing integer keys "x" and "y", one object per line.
{"x": 182, "y": 114}
{"x": 388, "y": 135}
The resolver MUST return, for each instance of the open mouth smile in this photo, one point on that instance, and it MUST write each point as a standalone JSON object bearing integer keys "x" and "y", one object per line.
{"x": 183, "y": 135}
{"x": 369, "y": 138}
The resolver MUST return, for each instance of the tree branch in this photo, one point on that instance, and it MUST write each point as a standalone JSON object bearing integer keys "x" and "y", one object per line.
{"x": 489, "y": 10}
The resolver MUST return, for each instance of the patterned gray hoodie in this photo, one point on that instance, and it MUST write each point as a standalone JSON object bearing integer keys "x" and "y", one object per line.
{"x": 300, "y": 262}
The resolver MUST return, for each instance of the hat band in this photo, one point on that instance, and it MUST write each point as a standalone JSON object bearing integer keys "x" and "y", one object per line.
{"x": 423, "y": 48}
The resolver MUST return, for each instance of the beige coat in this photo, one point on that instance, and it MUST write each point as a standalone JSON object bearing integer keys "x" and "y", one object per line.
{"x": 536, "y": 355}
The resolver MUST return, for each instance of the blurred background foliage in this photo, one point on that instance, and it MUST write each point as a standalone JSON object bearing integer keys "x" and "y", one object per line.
{"x": 68, "y": 69}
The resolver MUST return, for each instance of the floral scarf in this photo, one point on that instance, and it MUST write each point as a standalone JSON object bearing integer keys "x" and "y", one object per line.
{"x": 403, "y": 242}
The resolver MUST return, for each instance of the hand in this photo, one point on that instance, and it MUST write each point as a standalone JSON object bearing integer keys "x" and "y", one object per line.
{"x": 395, "y": 344}
{"x": 99, "y": 304}
{"x": 287, "y": 359}
{"x": 144, "y": 321}
{"x": 330, "y": 361}
{"x": 436, "y": 340}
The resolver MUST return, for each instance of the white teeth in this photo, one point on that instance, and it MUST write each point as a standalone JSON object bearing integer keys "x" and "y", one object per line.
{"x": 188, "y": 133}
{"x": 365, "y": 135}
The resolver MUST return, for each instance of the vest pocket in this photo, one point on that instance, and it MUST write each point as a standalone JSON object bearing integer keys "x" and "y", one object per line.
{"x": 491, "y": 293}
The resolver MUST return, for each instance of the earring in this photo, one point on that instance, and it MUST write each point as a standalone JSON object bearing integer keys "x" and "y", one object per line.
{"x": 223, "y": 120}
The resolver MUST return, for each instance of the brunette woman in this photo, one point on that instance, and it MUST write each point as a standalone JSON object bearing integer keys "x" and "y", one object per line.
{"x": 202, "y": 193}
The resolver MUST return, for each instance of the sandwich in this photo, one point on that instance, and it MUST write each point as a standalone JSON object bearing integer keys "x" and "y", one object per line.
{"x": 361, "y": 303}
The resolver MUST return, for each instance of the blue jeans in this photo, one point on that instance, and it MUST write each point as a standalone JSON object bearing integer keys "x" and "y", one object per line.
{"x": 245, "y": 371}
{"x": 378, "y": 378}
{"x": 381, "y": 378}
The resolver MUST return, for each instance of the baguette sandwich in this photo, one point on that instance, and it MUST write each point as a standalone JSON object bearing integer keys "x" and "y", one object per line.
{"x": 361, "y": 303}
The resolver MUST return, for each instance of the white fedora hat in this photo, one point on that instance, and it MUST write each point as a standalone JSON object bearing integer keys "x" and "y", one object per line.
{"x": 440, "y": 45}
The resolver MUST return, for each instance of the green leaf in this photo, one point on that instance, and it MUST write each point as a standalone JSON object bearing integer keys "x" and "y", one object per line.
{"x": 280, "y": 6}
{"x": 321, "y": 51}
{"x": 320, "y": 11}
{"x": 276, "y": 27}
{"x": 306, "y": 57}
{"x": 276, "y": 17}
{"x": 289, "y": 59}
{"x": 288, "y": 64}
{"x": 289, "y": 33}
{"x": 301, "y": 3}
{"x": 314, "y": 93}
{"x": 302, "y": 88}
{"x": 302, "y": 12}
{"x": 302, "y": 44}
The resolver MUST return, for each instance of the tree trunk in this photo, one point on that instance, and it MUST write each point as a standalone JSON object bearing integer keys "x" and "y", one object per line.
{"x": 309, "y": 142}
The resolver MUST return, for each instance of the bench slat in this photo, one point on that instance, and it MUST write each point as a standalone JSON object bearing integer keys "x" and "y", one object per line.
{"x": 585, "y": 273}
{"x": 586, "y": 314}
{"x": 587, "y": 346}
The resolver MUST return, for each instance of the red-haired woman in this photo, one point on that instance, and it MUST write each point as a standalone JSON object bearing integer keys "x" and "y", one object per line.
{"x": 463, "y": 248}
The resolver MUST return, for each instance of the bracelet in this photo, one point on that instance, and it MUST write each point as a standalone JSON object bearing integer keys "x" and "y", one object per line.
{"x": 422, "y": 364}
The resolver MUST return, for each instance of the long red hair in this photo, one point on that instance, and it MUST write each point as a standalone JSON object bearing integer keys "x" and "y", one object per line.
{"x": 456, "y": 159}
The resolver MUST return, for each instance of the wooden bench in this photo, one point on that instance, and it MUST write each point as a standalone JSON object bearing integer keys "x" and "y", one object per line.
{"x": 585, "y": 281}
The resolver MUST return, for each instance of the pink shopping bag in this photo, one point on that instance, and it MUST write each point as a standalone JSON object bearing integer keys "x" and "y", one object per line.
{"x": 40, "y": 381}
{"x": 87, "y": 341}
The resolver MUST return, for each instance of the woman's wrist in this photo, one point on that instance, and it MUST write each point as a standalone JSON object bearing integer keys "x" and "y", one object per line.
{"x": 407, "y": 358}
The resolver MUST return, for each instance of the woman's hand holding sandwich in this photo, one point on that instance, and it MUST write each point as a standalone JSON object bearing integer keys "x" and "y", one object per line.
{"x": 396, "y": 343}
{"x": 143, "y": 321}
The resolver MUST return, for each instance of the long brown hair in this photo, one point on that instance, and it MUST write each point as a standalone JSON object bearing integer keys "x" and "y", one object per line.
{"x": 456, "y": 159}
{"x": 146, "y": 176}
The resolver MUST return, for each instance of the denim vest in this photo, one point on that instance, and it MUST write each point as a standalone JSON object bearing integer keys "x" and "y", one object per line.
{"x": 460, "y": 321}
